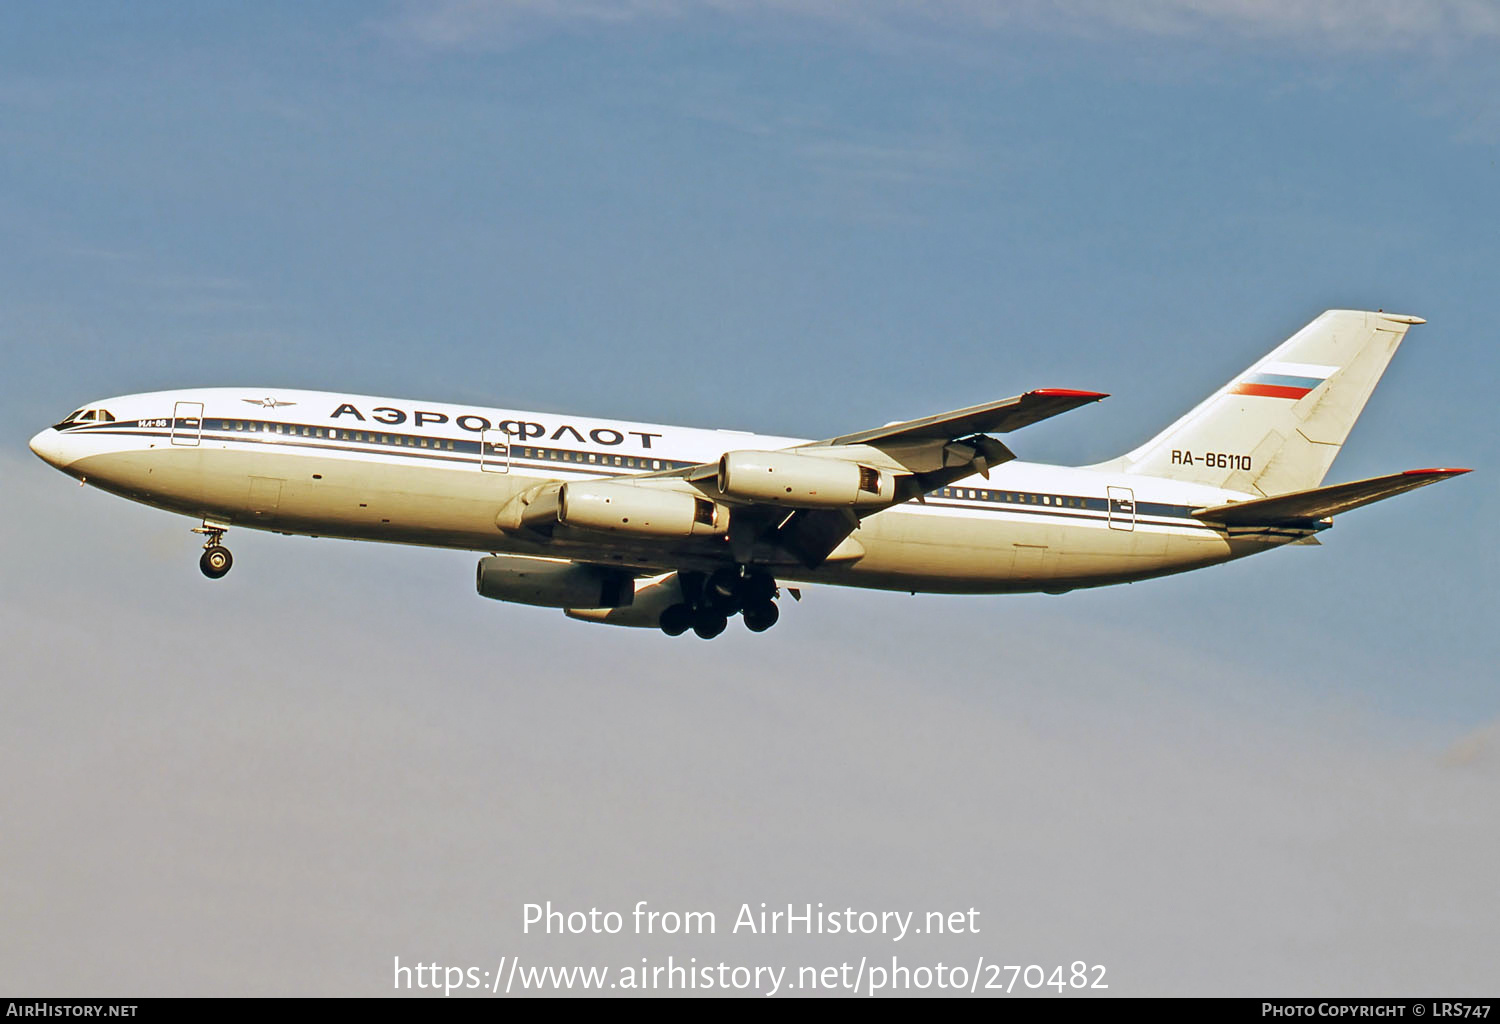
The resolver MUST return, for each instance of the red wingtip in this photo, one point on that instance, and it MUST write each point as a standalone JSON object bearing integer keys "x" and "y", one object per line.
{"x": 1446, "y": 471}
{"x": 1069, "y": 393}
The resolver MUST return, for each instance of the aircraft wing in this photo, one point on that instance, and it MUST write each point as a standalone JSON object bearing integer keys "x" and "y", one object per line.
{"x": 926, "y": 453}
{"x": 914, "y": 456}
{"x": 1321, "y": 502}
{"x": 936, "y": 442}
{"x": 992, "y": 417}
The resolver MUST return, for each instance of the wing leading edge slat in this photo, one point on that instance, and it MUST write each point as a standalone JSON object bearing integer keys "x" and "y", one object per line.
{"x": 990, "y": 418}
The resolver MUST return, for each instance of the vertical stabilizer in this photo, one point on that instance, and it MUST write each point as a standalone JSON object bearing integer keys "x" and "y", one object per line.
{"x": 1278, "y": 426}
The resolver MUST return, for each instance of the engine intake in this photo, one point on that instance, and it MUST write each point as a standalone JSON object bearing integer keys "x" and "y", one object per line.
{"x": 803, "y": 481}
{"x": 636, "y": 509}
{"x": 553, "y": 584}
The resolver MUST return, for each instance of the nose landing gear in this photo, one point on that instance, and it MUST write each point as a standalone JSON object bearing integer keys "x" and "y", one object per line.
{"x": 216, "y": 559}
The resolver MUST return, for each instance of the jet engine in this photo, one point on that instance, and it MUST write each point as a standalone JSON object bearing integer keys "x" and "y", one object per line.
{"x": 553, "y": 584}
{"x": 803, "y": 481}
{"x": 647, "y": 511}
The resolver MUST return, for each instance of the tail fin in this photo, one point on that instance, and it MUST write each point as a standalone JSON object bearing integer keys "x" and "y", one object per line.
{"x": 1278, "y": 426}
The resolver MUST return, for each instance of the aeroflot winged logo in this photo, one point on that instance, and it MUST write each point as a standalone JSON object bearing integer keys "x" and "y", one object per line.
{"x": 266, "y": 403}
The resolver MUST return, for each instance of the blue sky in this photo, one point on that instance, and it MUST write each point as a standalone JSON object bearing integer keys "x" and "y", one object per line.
{"x": 788, "y": 217}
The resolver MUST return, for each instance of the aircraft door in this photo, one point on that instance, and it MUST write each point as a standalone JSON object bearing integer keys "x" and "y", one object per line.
{"x": 187, "y": 423}
{"x": 1121, "y": 508}
{"x": 494, "y": 451}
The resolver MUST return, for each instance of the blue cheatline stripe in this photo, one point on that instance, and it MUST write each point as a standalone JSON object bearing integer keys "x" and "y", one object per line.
{"x": 1146, "y": 513}
{"x": 1282, "y": 380}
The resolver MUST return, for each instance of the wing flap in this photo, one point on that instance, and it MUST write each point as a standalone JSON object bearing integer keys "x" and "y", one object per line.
{"x": 1321, "y": 502}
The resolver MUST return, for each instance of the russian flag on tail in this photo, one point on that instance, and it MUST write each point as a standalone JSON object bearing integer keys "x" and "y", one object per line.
{"x": 1283, "y": 380}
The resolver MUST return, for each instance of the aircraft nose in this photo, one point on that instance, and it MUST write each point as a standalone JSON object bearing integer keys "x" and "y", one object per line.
{"x": 48, "y": 447}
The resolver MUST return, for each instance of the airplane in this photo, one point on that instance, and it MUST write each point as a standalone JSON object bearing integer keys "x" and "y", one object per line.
{"x": 643, "y": 525}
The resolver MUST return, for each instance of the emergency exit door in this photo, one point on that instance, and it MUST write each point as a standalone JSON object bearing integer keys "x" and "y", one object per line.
{"x": 187, "y": 423}
{"x": 1121, "y": 508}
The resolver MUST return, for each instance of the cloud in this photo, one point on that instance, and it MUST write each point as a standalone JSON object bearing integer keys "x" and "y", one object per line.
{"x": 1343, "y": 24}
{"x": 1479, "y": 751}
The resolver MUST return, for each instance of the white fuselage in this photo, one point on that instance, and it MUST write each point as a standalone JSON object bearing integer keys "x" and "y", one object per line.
{"x": 366, "y": 468}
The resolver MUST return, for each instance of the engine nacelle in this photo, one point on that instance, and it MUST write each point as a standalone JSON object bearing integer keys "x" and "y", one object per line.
{"x": 804, "y": 481}
{"x": 652, "y": 597}
{"x": 642, "y": 510}
{"x": 553, "y": 584}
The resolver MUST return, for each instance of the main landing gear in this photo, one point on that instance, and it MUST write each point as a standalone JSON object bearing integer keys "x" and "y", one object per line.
{"x": 216, "y": 559}
{"x": 711, "y": 601}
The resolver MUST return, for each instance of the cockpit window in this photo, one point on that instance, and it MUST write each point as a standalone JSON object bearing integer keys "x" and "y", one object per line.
{"x": 86, "y": 416}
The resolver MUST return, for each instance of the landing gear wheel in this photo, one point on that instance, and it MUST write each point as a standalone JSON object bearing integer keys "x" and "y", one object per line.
{"x": 216, "y": 561}
{"x": 725, "y": 580}
{"x": 757, "y": 589}
{"x": 722, "y": 593}
{"x": 761, "y": 617}
{"x": 708, "y": 623}
{"x": 725, "y": 605}
{"x": 676, "y": 620}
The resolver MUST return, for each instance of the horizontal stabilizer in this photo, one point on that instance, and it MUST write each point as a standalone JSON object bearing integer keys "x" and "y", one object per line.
{"x": 1320, "y": 502}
